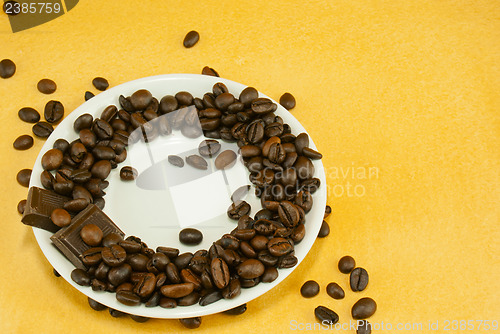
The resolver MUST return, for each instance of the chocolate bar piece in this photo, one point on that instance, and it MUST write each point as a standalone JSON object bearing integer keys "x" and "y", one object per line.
{"x": 68, "y": 239}
{"x": 39, "y": 207}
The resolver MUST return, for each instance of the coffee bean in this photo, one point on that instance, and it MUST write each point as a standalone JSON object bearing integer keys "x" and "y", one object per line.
{"x": 109, "y": 113}
{"x": 60, "y": 217}
{"x": 220, "y": 272}
{"x": 95, "y": 305}
{"x": 311, "y": 154}
{"x": 184, "y": 98}
{"x": 190, "y": 236}
{"x": 28, "y": 115}
{"x": 225, "y": 160}
{"x": 191, "y": 323}
{"x": 279, "y": 247}
{"x": 128, "y": 298}
{"x": 46, "y": 86}
{"x": 116, "y": 314}
{"x": 42, "y": 129}
{"x": 209, "y": 71}
{"x": 101, "y": 169}
{"x": 138, "y": 318}
{"x": 80, "y": 277}
{"x": 21, "y": 206}
{"x": 7, "y": 68}
{"x": 209, "y": 148}
{"x": 100, "y": 83}
{"x": 56, "y": 274}
{"x": 197, "y": 162}
{"x": 287, "y": 101}
{"x": 128, "y": 173}
{"x": 54, "y": 111}
{"x": 309, "y": 289}
{"x": 141, "y": 99}
{"x": 262, "y": 106}
{"x": 240, "y": 194}
{"x": 191, "y": 39}
{"x": 91, "y": 234}
{"x": 23, "y": 177}
{"x": 176, "y": 161}
{"x": 146, "y": 285}
{"x": 99, "y": 202}
{"x": 346, "y": 264}
{"x": 364, "y": 327}
{"x": 288, "y": 214}
{"x": 247, "y": 95}
{"x": 88, "y": 95}
{"x": 61, "y": 144}
{"x": 325, "y": 315}
{"x": 177, "y": 290}
{"x": 269, "y": 275}
{"x": 250, "y": 269}
{"x": 255, "y": 132}
{"x": 237, "y": 310}
{"x": 210, "y": 298}
{"x": 83, "y": 122}
{"x": 335, "y": 291}
{"x": 324, "y": 230}
{"x": 224, "y": 100}
{"x": 358, "y": 279}
{"x": 328, "y": 211}
{"x": 363, "y": 308}
{"x": 23, "y": 142}
{"x": 102, "y": 129}
{"x": 238, "y": 210}
{"x": 77, "y": 152}
{"x": 114, "y": 256}
{"x": 92, "y": 257}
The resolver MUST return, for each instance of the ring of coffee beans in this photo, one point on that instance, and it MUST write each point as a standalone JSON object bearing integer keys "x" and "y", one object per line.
{"x": 280, "y": 169}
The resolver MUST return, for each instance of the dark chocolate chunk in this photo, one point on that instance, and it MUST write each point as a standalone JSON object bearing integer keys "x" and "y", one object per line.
{"x": 39, "y": 207}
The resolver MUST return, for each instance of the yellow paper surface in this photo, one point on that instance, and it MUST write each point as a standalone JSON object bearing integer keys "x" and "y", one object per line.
{"x": 402, "y": 98}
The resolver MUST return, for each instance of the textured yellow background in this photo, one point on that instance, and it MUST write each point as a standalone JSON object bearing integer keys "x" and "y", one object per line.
{"x": 410, "y": 88}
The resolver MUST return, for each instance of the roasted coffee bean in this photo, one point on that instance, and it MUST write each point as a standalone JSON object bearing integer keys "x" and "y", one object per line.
{"x": 209, "y": 148}
{"x": 168, "y": 251}
{"x": 275, "y": 129}
{"x": 249, "y": 151}
{"x": 224, "y": 100}
{"x": 176, "y": 161}
{"x": 255, "y": 132}
{"x": 279, "y": 247}
{"x": 191, "y": 131}
{"x": 209, "y": 71}
{"x": 80, "y": 277}
{"x": 95, "y": 305}
{"x": 191, "y": 39}
{"x": 46, "y": 86}
{"x": 100, "y": 83}
{"x": 88, "y": 95}
{"x": 288, "y": 214}
{"x": 118, "y": 124}
{"x": 42, "y": 129}
{"x": 154, "y": 300}
{"x": 262, "y": 106}
{"x": 219, "y": 88}
{"x": 7, "y": 68}
{"x": 276, "y": 153}
{"x": 335, "y": 291}
{"x": 114, "y": 256}
{"x": 184, "y": 98}
{"x": 197, "y": 162}
{"x": 128, "y": 298}
{"x": 210, "y": 298}
{"x": 141, "y": 99}
{"x": 259, "y": 242}
{"x": 54, "y": 111}
{"x": 146, "y": 285}
{"x": 346, "y": 264}
{"x": 92, "y": 257}
{"x": 190, "y": 299}
{"x": 128, "y": 173}
{"x": 248, "y": 95}
{"x": 287, "y": 101}
{"x": 250, "y": 269}
{"x": 220, "y": 272}
{"x": 138, "y": 261}
{"x": 301, "y": 141}
{"x": 138, "y": 318}
{"x": 102, "y": 129}
{"x": 109, "y": 113}
{"x": 177, "y": 290}
{"x": 309, "y": 289}
{"x": 160, "y": 261}
{"x": 52, "y": 159}
{"x": 21, "y": 206}
{"x": 311, "y": 154}
{"x": 240, "y": 194}
{"x": 168, "y": 104}
{"x": 77, "y": 152}
{"x": 232, "y": 290}
{"x": 83, "y": 122}
{"x": 167, "y": 302}
{"x": 304, "y": 200}
{"x": 237, "y": 310}
{"x": 62, "y": 145}
{"x": 358, "y": 279}
{"x": 75, "y": 205}
{"x": 190, "y": 236}
{"x": 60, "y": 217}
{"x": 92, "y": 235}
{"x": 298, "y": 233}
{"x": 23, "y": 177}
{"x": 101, "y": 169}
{"x": 191, "y": 323}
{"x": 99, "y": 202}
{"x": 29, "y": 115}
{"x": 238, "y": 210}
{"x": 225, "y": 160}
{"x": 111, "y": 239}
{"x": 325, "y": 315}
{"x": 328, "y": 211}
{"x": 287, "y": 261}
{"x": 116, "y": 314}
{"x": 324, "y": 230}
{"x": 172, "y": 273}
{"x": 249, "y": 282}
{"x": 363, "y": 308}
{"x": 120, "y": 274}
{"x": 269, "y": 275}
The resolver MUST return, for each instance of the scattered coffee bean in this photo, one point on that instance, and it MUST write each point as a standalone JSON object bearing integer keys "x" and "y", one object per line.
{"x": 358, "y": 279}
{"x": 191, "y": 39}
{"x": 7, "y": 68}
{"x": 197, "y": 162}
{"x": 191, "y": 323}
{"x": 28, "y": 115}
{"x": 100, "y": 84}
{"x": 225, "y": 160}
{"x": 46, "y": 86}
{"x": 116, "y": 314}
{"x": 175, "y": 160}
{"x": 209, "y": 71}
{"x": 88, "y": 95}
{"x": 237, "y": 310}
{"x": 23, "y": 177}
{"x": 128, "y": 173}
{"x": 54, "y": 111}
{"x": 328, "y": 211}
{"x": 190, "y": 236}
{"x": 80, "y": 277}
{"x": 138, "y": 318}
{"x": 52, "y": 159}
{"x": 42, "y": 129}
{"x": 21, "y": 205}
{"x": 95, "y": 305}
{"x": 325, "y": 315}
{"x": 346, "y": 264}
{"x": 287, "y": 101}
{"x": 364, "y": 327}
{"x": 309, "y": 289}
{"x": 56, "y": 274}
{"x": 363, "y": 308}
{"x": 23, "y": 142}
{"x": 324, "y": 230}
{"x": 335, "y": 291}
{"x": 91, "y": 234}
{"x": 60, "y": 217}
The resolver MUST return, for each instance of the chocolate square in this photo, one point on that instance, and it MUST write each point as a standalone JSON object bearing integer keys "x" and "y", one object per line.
{"x": 39, "y": 207}
{"x": 68, "y": 239}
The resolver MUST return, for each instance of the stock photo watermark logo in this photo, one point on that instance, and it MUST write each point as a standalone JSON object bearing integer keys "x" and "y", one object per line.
{"x": 28, "y": 14}
{"x": 351, "y": 181}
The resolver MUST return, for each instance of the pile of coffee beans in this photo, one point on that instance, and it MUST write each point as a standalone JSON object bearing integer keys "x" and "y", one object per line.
{"x": 358, "y": 281}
